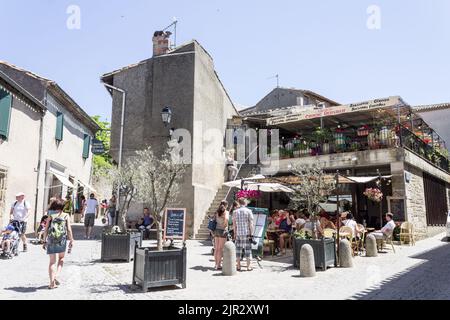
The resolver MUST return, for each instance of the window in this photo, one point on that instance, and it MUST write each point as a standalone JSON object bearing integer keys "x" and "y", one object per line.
{"x": 59, "y": 126}
{"x": 86, "y": 146}
{"x": 5, "y": 113}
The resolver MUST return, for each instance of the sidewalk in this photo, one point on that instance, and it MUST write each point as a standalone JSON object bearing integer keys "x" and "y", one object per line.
{"x": 84, "y": 277}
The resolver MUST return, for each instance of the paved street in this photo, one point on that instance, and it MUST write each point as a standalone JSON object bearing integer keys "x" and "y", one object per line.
{"x": 419, "y": 272}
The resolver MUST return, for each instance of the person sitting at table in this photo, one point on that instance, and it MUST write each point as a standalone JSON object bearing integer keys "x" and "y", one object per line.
{"x": 309, "y": 225}
{"x": 272, "y": 233}
{"x": 387, "y": 230}
{"x": 145, "y": 223}
{"x": 285, "y": 228}
{"x": 349, "y": 222}
{"x": 326, "y": 223}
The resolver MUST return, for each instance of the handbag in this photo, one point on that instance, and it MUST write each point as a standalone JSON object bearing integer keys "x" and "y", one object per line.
{"x": 212, "y": 224}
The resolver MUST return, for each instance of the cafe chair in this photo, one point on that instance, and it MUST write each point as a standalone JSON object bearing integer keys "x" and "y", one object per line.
{"x": 347, "y": 232}
{"x": 388, "y": 240}
{"x": 267, "y": 243}
{"x": 407, "y": 233}
{"x": 361, "y": 237}
{"x": 328, "y": 233}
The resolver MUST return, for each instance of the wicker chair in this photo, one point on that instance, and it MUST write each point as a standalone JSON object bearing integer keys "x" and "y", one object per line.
{"x": 407, "y": 233}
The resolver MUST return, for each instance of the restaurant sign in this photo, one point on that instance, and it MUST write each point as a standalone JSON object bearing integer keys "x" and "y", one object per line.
{"x": 332, "y": 111}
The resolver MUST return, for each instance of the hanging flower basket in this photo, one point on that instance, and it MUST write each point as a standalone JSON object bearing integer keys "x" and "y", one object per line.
{"x": 374, "y": 194}
{"x": 251, "y": 195}
{"x": 363, "y": 131}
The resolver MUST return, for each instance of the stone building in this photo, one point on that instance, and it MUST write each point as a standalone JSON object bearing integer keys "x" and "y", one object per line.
{"x": 183, "y": 79}
{"x": 45, "y": 141}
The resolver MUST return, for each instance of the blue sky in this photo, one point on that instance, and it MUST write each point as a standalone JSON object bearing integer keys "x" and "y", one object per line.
{"x": 324, "y": 46}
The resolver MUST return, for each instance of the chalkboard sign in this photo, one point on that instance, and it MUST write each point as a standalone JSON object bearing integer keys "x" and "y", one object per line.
{"x": 260, "y": 216}
{"x": 396, "y": 205}
{"x": 175, "y": 222}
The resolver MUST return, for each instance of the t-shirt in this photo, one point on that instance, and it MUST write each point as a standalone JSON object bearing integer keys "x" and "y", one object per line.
{"x": 388, "y": 228}
{"x": 91, "y": 206}
{"x": 285, "y": 226}
{"x": 20, "y": 210}
{"x": 300, "y": 222}
{"x": 148, "y": 220}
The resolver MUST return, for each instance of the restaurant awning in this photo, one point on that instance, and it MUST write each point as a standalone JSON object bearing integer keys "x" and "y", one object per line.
{"x": 64, "y": 180}
{"x": 238, "y": 183}
{"x": 367, "y": 179}
{"x": 269, "y": 187}
{"x": 87, "y": 186}
{"x": 293, "y": 180}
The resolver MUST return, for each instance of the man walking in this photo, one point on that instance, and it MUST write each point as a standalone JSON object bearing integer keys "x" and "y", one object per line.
{"x": 20, "y": 211}
{"x": 243, "y": 230}
{"x": 89, "y": 216}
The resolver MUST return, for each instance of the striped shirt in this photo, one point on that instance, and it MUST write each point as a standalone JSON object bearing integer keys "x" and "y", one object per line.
{"x": 243, "y": 219}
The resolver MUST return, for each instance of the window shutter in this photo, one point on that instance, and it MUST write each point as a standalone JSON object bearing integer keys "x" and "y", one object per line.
{"x": 5, "y": 113}
{"x": 59, "y": 126}
{"x": 86, "y": 146}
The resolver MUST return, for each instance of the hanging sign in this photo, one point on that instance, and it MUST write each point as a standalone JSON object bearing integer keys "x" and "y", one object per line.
{"x": 98, "y": 147}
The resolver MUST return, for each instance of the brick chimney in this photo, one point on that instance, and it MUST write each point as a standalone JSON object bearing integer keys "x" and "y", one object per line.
{"x": 161, "y": 42}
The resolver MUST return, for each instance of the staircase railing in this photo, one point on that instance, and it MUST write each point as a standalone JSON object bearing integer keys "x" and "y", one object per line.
{"x": 239, "y": 170}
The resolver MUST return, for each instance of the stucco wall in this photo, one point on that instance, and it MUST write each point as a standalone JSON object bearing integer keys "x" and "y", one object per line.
{"x": 19, "y": 155}
{"x": 212, "y": 109}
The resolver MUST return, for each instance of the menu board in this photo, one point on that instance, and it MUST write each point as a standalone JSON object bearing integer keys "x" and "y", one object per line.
{"x": 175, "y": 223}
{"x": 260, "y": 216}
{"x": 397, "y": 207}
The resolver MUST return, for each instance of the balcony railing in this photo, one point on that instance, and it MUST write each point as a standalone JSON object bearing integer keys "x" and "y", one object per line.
{"x": 385, "y": 137}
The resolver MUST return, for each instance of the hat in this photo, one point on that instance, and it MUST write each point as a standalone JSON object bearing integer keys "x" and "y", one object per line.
{"x": 10, "y": 228}
{"x": 20, "y": 194}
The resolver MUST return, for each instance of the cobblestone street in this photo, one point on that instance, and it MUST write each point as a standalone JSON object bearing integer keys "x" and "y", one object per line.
{"x": 418, "y": 272}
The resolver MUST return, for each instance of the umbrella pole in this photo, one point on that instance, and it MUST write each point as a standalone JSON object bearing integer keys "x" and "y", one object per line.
{"x": 338, "y": 222}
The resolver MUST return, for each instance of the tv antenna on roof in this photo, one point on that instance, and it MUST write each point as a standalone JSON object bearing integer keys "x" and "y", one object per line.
{"x": 278, "y": 79}
{"x": 174, "y": 25}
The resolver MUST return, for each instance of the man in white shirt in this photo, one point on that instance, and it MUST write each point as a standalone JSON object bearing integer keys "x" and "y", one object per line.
{"x": 387, "y": 230}
{"x": 349, "y": 222}
{"x": 20, "y": 211}
{"x": 89, "y": 216}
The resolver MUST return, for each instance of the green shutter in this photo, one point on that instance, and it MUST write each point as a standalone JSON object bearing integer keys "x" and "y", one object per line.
{"x": 86, "y": 146}
{"x": 59, "y": 126}
{"x": 5, "y": 113}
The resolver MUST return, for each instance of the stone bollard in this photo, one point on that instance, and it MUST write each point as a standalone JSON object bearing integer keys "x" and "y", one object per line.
{"x": 307, "y": 265}
{"x": 229, "y": 259}
{"x": 345, "y": 254}
{"x": 371, "y": 246}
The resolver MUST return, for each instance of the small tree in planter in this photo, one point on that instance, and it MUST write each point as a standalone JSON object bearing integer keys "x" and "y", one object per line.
{"x": 313, "y": 189}
{"x": 158, "y": 181}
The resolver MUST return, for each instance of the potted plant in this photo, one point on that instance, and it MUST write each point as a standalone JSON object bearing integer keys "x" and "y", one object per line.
{"x": 118, "y": 242}
{"x": 313, "y": 189}
{"x": 159, "y": 182}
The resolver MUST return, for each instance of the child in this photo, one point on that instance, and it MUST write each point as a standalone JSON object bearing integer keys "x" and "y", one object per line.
{"x": 41, "y": 230}
{"x": 9, "y": 235}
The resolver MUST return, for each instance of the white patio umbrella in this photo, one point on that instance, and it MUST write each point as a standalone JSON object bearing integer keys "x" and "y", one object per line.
{"x": 238, "y": 183}
{"x": 269, "y": 187}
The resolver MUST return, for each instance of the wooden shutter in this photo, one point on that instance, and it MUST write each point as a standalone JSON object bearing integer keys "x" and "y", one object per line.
{"x": 59, "y": 126}
{"x": 5, "y": 113}
{"x": 86, "y": 146}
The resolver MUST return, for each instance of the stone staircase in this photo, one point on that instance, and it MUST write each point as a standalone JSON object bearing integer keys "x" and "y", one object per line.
{"x": 203, "y": 232}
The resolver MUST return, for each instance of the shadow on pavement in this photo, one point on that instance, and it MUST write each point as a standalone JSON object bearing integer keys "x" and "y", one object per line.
{"x": 429, "y": 280}
{"x": 79, "y": 232}
{"x": 26, "y": 289}
{"x": 202, "y": 268}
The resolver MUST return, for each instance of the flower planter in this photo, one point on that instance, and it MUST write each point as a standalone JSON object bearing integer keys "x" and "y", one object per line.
{"x": 154, "y": 268}
{"x": 324, "y": 252}
{"x": 120, "y": 246}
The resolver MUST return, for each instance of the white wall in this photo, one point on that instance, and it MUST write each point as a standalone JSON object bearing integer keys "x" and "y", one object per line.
{"x": 67, "y": 154}
{"x": 19, "y": 155}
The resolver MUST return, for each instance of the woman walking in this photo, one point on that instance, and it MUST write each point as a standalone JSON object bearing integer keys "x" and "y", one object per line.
{"x": 220, "y": 234}
{"x": 57, "y": 231}
{"x": 112, "y": 211}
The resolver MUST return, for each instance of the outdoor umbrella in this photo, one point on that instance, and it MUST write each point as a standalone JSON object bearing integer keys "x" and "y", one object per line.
{"x": 238, "y": 183}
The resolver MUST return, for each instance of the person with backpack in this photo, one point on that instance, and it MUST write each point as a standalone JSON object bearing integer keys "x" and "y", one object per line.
{"x": 20, "y": 211}
{"x": 57, "y": 232}
{"x": 112, "y": 211}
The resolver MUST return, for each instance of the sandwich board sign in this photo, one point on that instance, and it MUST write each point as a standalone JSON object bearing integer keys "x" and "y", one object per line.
{"x": 175, "y": 224}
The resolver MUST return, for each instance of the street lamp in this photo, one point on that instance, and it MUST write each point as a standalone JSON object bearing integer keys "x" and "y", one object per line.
{"x": 166, "y": 115}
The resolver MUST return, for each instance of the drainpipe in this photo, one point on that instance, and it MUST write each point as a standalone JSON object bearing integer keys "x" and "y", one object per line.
{"x": 124, "y": 96}
{"x": 38, "y": 176}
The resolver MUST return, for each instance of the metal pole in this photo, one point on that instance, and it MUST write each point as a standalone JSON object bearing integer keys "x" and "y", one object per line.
{"x": 381, "y": 202}
{"x": 338, "y": 221}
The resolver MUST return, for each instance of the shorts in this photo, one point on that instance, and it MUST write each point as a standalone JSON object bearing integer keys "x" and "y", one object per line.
{"x": 243, "y": 244}
{"x": 21, "y": 226}
{"x": 57, "y": 248}
{"x": 220, "y": 233}
{"x": 89, "y": 219}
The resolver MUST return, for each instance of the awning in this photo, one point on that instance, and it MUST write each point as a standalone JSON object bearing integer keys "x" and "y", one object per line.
{"x": 238, "y": 183}
{"x": 269, "y": 187}
{"x": 367, "y": 179}
{"x": 87, "y": 186}
{"x": 295, "y": 180}
{"x": 65, "y": 181}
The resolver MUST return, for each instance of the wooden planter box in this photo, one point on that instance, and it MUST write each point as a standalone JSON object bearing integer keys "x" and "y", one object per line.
{"x": 154, "y": 268}
{"x": 324, "y": 252}
{"x": 120, "y": 246}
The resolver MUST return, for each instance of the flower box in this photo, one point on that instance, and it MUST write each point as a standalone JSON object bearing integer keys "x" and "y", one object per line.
{"x": 324, "y": 252}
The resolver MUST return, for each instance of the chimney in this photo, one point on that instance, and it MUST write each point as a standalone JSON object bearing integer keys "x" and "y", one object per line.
{"x": 161, "y": 42}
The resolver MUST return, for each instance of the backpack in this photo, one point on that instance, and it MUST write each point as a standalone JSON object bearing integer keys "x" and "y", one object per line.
{"x": 24, "y": 204}
{"x": 212, "y": 224}
{"x": 57, "y": 231}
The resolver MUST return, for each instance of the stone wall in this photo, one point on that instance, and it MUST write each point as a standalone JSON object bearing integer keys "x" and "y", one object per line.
{"x": 415, "y": 201}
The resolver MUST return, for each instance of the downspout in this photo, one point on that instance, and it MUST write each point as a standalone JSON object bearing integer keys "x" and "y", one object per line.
{"x": 38, "y": 176}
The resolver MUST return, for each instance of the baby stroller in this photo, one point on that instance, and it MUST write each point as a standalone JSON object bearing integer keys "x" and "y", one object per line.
{"x": 15, "y": 241}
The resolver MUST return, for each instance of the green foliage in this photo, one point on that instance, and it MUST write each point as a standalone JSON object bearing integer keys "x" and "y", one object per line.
{"x": 301, "y": 234}
{"x": 104, "y": 161}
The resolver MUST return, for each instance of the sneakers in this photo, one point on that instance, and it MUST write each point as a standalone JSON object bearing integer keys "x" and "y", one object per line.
{"x": 25, "y": 248}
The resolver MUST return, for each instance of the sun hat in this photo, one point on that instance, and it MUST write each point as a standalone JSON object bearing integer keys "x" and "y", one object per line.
{"x": 20, "y": 194}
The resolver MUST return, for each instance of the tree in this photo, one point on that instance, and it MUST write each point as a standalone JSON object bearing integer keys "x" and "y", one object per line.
{"x": 158, "y": 180}
{"x": 314, "y": 187}
{"x": 104, "y": 161}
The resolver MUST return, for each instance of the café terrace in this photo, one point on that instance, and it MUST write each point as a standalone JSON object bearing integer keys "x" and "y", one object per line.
{"x": 380, "y": 143}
